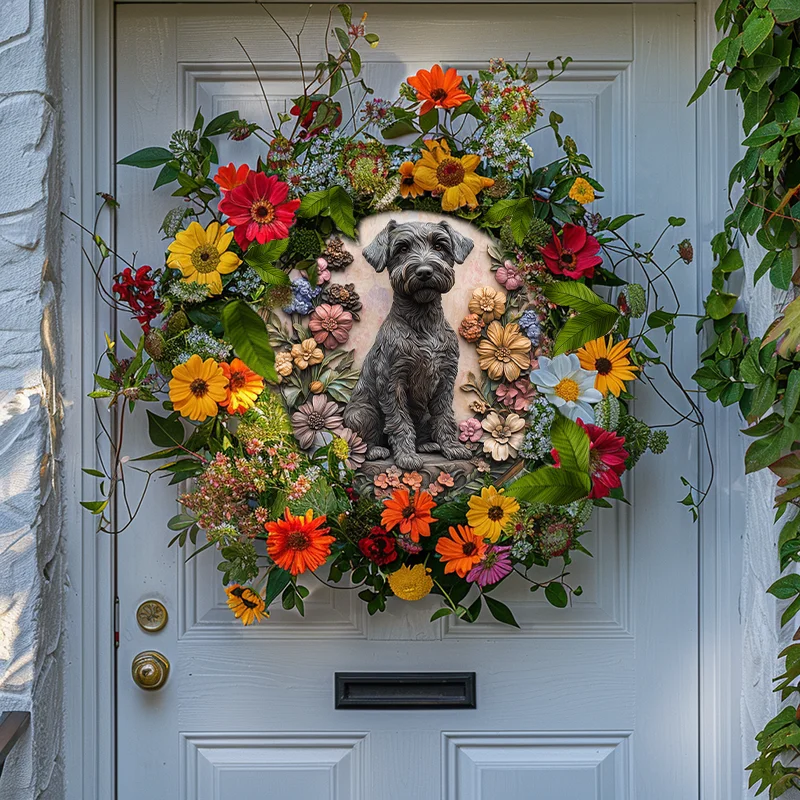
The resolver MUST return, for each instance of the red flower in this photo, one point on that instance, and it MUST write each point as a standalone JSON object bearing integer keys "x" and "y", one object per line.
{"x": 308, "y": 118}
{"x": 606, "y": 459}
{"x": 259, "y": 210}
{"x": 379, "y": 547}
{"x": 230, "y": 177}
{"x": 574, "y": 255}
{"x": 137, "y": 292}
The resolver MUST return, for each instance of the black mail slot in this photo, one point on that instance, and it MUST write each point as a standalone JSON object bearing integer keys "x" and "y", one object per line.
{"x": 405, "y": 690}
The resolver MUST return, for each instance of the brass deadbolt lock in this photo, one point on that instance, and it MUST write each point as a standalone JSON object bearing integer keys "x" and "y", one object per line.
{"x": 151, "y": 616}
{"x": 150, "y": 670}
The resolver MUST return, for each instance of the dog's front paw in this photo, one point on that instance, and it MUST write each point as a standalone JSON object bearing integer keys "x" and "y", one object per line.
{"x": 408, "y": 461}
{"x": 428, "y": 447}
{"x": 456, "y": 451}
{"x": 377, "y": 453}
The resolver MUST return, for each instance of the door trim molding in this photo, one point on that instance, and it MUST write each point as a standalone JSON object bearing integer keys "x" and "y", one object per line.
{"x": 88, "y": 165}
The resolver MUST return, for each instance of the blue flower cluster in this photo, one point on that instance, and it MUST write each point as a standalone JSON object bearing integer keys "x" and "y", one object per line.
{"x": 537, "y": 443}
{"x": 245, "y": 281}
{"x": 529, "y": 322}
{"x": 302, "y": 297}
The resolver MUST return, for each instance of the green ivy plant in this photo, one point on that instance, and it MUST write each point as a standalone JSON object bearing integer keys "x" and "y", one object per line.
{"x": 759, "y": 58}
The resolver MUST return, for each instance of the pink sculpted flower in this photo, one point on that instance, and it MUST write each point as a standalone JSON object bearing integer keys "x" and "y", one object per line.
{"x": 323, "y": 272}
{"x": 330, "y": 325}
{"x": 517, "y": 395}
{"x": 471, "y": 430}
{"x": 445, "y": 479}
{"x": 509, "y": 276}
{"x": 434, "y": 489}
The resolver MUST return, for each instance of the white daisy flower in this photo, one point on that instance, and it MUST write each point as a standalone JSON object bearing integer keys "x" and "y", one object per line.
{"x": 566, "y": 385}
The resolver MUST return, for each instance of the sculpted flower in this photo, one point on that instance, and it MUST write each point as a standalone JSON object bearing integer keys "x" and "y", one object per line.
{"x": 197, "y": 387}
{"x": 517, "y": 395}
{"x": 567, "y": 386}
{"x": 607, "y": 457}
{"x": 330, "y": 325}
{"x": 297, "y": 544}
{"x": 258, "y": 209}
{"x": 356, "y": 448}
{"x": 488, "y": 303}
{"x": 408, "y": 181}
{"x": 202, "y": 255}
{"x": 470, "y": 430}
{"x": 284, "y": 363}
{"x": 306, "y": 354}
{"x": 502, "y": 438}
{"x": 230, "y": 177}
{"x": 315, "y": 418}
{"x": 344, "y": 295}
{"x": 573, "y": 254}
{"x": 438, "y": 89}
{"x": 244, "y": 386}
{"x": 509, "y": 276}
{"x": 582, "y": 191}
{"x": 611, "y": 363}
{"x": 411, "y": 583}
{"x": 471, "y": 327}
{"x": 451, "y": 177}
{"x": 246, "y": 603}
{"x": 490, "y": 512}
{"x": 505, "y": 352}
{"x": 460, "y": 551}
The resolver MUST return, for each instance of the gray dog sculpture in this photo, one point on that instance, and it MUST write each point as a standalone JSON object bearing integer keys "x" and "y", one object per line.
{"x": 404, "y": 395}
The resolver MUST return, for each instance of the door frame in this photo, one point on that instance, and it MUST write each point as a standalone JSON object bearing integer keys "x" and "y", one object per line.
{"x": 87, "y": 104}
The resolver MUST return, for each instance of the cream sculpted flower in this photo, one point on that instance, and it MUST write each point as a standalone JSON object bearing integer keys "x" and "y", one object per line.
{"x": 502, "y": 437}
{"x": 567, "y": 386}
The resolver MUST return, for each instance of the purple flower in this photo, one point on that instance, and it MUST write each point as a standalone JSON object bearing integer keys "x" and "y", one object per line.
{"x": 509, "y": 276}
{"x": 471, "y": 430}
{"x": 494, "y": 566}
{"x": 313, "y": 419}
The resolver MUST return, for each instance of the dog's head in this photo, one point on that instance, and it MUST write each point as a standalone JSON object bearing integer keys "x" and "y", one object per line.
{"x": 420, "y": 257}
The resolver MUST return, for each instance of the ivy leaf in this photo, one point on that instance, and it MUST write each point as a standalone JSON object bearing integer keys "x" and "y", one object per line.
{"x": 147, "y": 158}
{"x": 785, "y": 10}
{"x": 757, "y": 27}
{"x": 247, "y": 333}
{"x": 785, "y": 330}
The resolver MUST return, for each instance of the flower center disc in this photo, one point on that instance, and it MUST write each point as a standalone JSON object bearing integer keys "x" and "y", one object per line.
{"x": 438, "y": 94}
{"x": 316, "y": 421}
{"x": 567, "y": 258}
{"x": 237, "y": 381}
{"x": 469, "y": 548}
{"x": 450, "y": 172}
{"x": 262, "y": 212}
{"x": 205, "y": 258}
{"x": 297, "y": 541}
{"x": 567, "y": 389}
{"x": 198, "y": 387}
{"x": 603, "y": 366}
{"x": 495, "y": 513}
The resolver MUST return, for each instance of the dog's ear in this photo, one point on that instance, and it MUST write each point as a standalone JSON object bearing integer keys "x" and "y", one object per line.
{"x": 462, "y": 246}
{"x": 377, "y": 251}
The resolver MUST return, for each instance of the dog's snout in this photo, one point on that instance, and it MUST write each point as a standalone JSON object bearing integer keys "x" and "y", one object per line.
{"x": 424, "y": 272}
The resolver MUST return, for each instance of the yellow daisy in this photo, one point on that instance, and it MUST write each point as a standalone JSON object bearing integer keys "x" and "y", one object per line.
{"x": 197, "y": 387}
{"x": 490, "y": 512}
{"x": 451, "y": 177}
{"x": 582, "y": 191}
{"x": 202, "y": 255}
{"x": 246, "y": 604}
{"x": 611, "y": 362}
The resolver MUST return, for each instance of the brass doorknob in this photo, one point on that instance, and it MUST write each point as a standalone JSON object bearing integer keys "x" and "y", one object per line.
{"x": 150, "y": 670}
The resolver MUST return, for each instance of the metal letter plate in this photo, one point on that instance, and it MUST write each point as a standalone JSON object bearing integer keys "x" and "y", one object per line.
{"x": 418, "y": 690}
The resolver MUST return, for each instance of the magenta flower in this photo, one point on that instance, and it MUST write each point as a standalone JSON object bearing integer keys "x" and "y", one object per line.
{"x": 493, "y": 567}
{"x": 471, "y": 430}
{"x": 509, "y": 276}
{"x": 517, "y": 395}
{"x": 330, "y": 325}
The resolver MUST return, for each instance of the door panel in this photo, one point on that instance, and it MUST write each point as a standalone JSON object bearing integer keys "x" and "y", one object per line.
{"x": 599, "y": 700}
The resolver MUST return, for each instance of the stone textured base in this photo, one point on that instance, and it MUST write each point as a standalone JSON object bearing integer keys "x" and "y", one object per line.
{"x": 433, "y": 463}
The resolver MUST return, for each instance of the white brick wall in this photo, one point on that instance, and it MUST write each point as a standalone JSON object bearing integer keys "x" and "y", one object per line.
{"x": 32, "y": 573}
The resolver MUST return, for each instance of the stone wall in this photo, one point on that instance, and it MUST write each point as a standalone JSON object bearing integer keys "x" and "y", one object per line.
{"x": 32, "y": 575}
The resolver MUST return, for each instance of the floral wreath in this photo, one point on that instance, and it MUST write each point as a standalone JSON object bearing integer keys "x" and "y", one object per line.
{"x": 245, "y": 326}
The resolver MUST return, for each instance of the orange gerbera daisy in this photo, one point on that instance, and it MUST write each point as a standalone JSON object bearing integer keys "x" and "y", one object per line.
{"x": 244, "y": 386}
{"x": 410, "y": 512}
{"x": 230, "y": 177}
{"x": 438, "y": 89}
{"x": 408, "y": 182}
{"x": 297, "y": 544}
{"x": 461, "y": 551}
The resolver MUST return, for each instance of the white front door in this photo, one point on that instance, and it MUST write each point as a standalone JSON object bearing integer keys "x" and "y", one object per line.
{"x": 598, "y": 701}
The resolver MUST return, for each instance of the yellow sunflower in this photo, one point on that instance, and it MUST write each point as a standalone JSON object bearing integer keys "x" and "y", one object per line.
{"x": 490, "y": 512}
{"x": 451, "y": 177}
{"x": 246, "y": 604}
{"x": 411, "y": 583}
{"x": 202, "y": 255}
{"x": 582, "y": 191}
{"x": 408, "y": 181}
{"x": 197, "y": 387}
{"x": 611, "y": 362}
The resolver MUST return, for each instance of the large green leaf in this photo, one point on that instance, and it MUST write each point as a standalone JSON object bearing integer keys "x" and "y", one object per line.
{"x": 572, "y": 444}
{"x": 165, "y": 431}
{"x": 247, "y": 333}
{"x": 554, "y": 485}
{"x": 147, "y": 158}
{"x": 573, "y": 295}
{"x": 500, "y": 210}
{"x": 785, "y": 331}
{"x": 340, "y": 206}
{"x": 785, "y": 10}
{"x": 262, "y": 258}
{"x": 586, "y": 327}
{"x": 313, "y": 204}
{"x": 521, "y": 219}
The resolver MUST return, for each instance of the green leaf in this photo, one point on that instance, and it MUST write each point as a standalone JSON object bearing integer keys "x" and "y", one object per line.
{"x": 556, "y": 595}
{"x": 574, "y": 295}
{"x": 785, "y": 10}
{"x": 95, "y": 473}
{"x": 500, "y": 211}
{"x": 341, "y": 210}
{"x": 557, "y": 486}
{"x": 344, "y": 39}
{"x": 780, "y": 273}
{"x": 147, "y": 158}
{"x": 169, "y": 173}
{"x": 313, "y": 204}
{"x": 346, "y": 12}
{"x": 428, "y": 121}
{"x": 247, "y": 333}
{"x": 757, "y": 27}
{"x": 763, "y": 135}
{"x": 785, "y": 587}
{"x": 272, "y": 275}
{"x": 95, "y": 506}
{"x": 500, "y": 611}
{"x": 705, "y": 82}
{"x": 720, "y": 304}
{"x": 618, "y": 222}
{"x": 521, "y": 219}
{"x": 277, "y": 581}
{"x": 792, "y": 394}
{"x": 264, "y": 255}
{"x": 731, "y": 261}
{"x": 572, "y": 444}
{"x": 660, "y": 318}
{"x": 221, "y": 124}
{"x": 165, "y": 431}
{"x": 785, "y": 330}
{"x": 400, "y": 128}
{"x": 586, "y": 327}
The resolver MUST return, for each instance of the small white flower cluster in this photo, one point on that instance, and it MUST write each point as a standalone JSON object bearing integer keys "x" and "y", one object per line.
{"x": 198, "y": 342}
{"x": 537, "y": 444}
{"x": 245, "y": 281}
{"x": 186, "y": 292}
{"x": 320, "y": 168}
{"x": 507, "y": 154}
